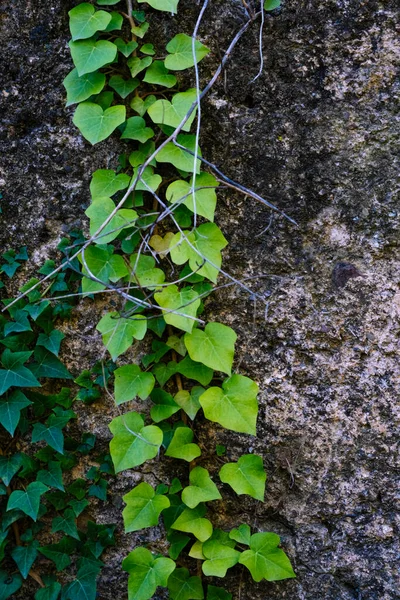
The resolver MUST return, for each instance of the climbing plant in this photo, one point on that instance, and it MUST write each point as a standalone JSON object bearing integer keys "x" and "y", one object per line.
{"x": 154, "y": 245}
{"x": 38, "y": 497}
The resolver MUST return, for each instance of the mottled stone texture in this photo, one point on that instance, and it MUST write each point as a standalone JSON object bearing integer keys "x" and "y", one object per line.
{"x": 318, "y": 135}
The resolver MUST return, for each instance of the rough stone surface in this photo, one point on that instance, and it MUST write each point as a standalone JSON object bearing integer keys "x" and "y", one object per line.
{"x": 317, "y": 134}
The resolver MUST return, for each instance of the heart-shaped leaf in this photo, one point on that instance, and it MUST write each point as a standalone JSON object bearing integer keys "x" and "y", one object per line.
{"x": 179, "y": 306}
{"x": 219, "y": 558}
{"x": 9, "y": 584}
{"x": 81, "y": 88}
{"x": 247, "y": 476}
{"x": 96, "y": 124}
{"x": 28, "y": 500}
{"x": 234, "y": 406}
{"x": 182, "y": 586}
{"x": 181, "y": 54}
{"x": 179, "y": 157}
{"x": 172, "y": 113}
{"x": 84, "y": 21}
{"x": 136, "y": 130}
{"x": 105, "y": 183}
{"x": 144, "y": 271}
{"x": 143, "y": 507}
{"x": 157, "y": 74}
{"x": 146, "y": 573}
{"x": 189, "y": 401}
{"x": 133, "y": 443}
{"x": 122, "y": 86}
{"x": 181, "y": 445}
{"x": 202, "y": 248}
{"x": 99, "y": 211}
{"x": 192, "y": 521}
{"x": 89, "y": 56}
{"x": 118, "y": 332}
{"x": 164, "y": 407}
{"x": 202, "y": 488}
{"x": 166, "y": 5}
{"x": 265, "y": 560}
{"x": 161, "y": 244}
{"x": 130, "y": 382}
{"x": 205, "y": 199}
{"x": 10, "y": 410}
{"x": 214, "y": 347}
{"x": 126, "y": 48}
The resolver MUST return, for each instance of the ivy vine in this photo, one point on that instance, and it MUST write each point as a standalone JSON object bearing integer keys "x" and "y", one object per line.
{"x": 155, "y": 246}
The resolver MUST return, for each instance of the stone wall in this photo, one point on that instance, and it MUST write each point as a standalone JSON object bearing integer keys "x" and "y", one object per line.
{"x": 317, "y": 134}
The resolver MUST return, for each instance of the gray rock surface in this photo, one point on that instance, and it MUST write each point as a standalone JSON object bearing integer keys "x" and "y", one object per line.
{"x": 317, "y": 134}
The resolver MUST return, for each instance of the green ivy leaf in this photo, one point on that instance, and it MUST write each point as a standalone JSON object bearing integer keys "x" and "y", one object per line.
{"x": 50, "y": 592}
{"x": 181, "y": 159}
{"x": 146, "y": 573}
{"x": 192, "y": 521}
{"x": 106, "y": 183}
{"x": 202, "y": 248}
{"x": 241, "y": 535}
{"x": 136, "y": 130}
{"x": 219, "y": 557}
{"x": 14, "y": 373}
{"x": 51, "y": 341}
{"x": 137, "y": 65}
{"x": 59, "y": 553}
{"x": 177, "y": 543}
{"x": 234, "y": 406}
{"x": 217, "y": 593}
{"x": 9, "y": 584}
{"x": 247, "y": 476}
{"x": 81, "y": 88}
{"x": 205, "y": 198}
{"x": 28, "y": 500}
{"x": 140, "y": 30}
{"x": 196, "y": 551}
{"x": 84, "y": 586}
{"x": 138, "y": 157}
{"x": 126, "y": 48}
{"x": 265, "y": 560}
{"x": 48, "y": 365}
{"x": 164, "y": 407}
{"x": 143, "y": 507}
{"x": 50, "y": 433}
{"x": 104, "y": 265}
{"x": 96, "y": 124}
{"x": 165, "y": 5}
{"x": 106, "y": 2}
{"x": 9, "y": 466}
{"x": 115, "y": 23}
{"x": 25, "y": 556}
{"x": 183, "y": 587}
{"x": 195, "y": 370}
{"x": 118, "y": 332}
{"x": 122, "y": 86}
{"x": 100, "y": 210}
{"x": 78, "y": 506}
{"x": 130, "y": 382}
{"x": 149, "y": 178}
{"x": 179, "y": 306}
{"x": 157, "y": 74}
{"x": 133, "y": 442}
{"x": 164, "y": 112}
{"x": 141, "y": 106}
{"x": 181, "y": 53}
{"x": 89, "y": 56}
{"x": 143, "y": 271}
{"x": 214, "y": 347}
{"x": 189, "y": 402}
{"x": 66, "y": 523}
{"x": 202, "y": 488}
{"x": 163, "y": 371}
{"x": 181, "y": 446}
{"x": 271, "y": 4}
{"x": 84, "y": 21}
{"x": 10, "y": 410}
{"x": 52, "y": 477}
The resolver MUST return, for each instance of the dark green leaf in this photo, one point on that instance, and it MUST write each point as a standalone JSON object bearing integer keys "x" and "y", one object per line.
{"x": 25, "y": 556}
{"x": 66, "y": 524}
